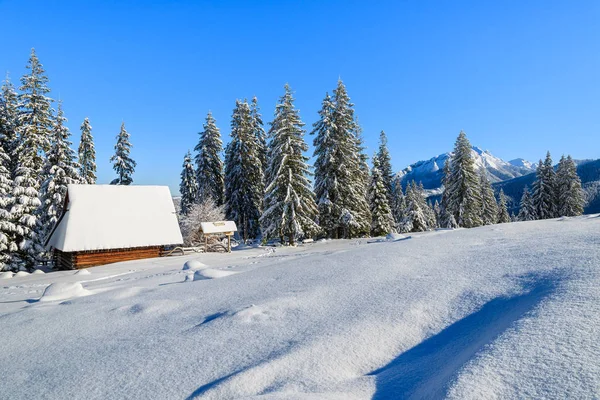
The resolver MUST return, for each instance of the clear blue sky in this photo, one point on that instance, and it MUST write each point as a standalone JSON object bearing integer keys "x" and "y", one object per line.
{"x": 520, "y": 77}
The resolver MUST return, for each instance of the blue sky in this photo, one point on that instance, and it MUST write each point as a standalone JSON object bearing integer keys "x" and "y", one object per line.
{"x": 519, "y": 77}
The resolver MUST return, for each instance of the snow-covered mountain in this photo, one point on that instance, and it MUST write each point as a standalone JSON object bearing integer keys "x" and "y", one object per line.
{"x": 430, "y": 172}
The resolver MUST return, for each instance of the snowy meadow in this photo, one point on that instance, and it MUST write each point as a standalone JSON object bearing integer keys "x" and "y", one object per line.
{"x": 501, "y": 311}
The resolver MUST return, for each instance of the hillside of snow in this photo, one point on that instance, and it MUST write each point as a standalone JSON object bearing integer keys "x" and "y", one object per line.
{"x": 430, "y": 172}
{"x": 503, "y": 311}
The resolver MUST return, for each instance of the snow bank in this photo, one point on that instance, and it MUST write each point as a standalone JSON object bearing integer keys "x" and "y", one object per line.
{"x": 21, "y": 274}
{"x": 193, "y": 265}
{"x": 38, "y": 272}
{"x": 63, "y": 291}
{"x": 83, "y": 272}
{"x": 210, "y": 273}
{"x": 504, "y": 311}
{"x": 6, "y": 275}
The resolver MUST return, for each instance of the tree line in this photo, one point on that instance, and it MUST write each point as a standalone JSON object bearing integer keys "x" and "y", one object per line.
{"x": 265, "y": 185}
{"x": 37, "y": 163}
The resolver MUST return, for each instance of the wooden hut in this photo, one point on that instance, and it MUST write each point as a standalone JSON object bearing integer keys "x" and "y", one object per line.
{"x": 103, "y": 224}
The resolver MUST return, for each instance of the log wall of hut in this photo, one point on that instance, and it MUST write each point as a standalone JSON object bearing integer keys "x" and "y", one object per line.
{"x": 84, "y": 259}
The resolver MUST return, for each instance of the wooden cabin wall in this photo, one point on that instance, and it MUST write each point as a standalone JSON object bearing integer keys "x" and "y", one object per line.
{"x": 84, "y": 259}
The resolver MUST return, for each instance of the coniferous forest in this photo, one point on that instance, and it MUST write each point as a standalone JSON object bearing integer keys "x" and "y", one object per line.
{"x": 262, "y": 179}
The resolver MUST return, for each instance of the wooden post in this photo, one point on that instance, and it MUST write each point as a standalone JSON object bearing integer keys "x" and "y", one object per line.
{"x": 205, "y": 243}
{"x": 229, "y": 242}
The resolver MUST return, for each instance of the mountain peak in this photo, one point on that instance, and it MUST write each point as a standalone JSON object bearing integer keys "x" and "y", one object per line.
{"x": 430, "y": 172}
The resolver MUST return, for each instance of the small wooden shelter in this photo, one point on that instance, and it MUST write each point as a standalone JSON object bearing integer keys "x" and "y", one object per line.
{"x": 103, "y": 224}
{"x": 218, "y": 228}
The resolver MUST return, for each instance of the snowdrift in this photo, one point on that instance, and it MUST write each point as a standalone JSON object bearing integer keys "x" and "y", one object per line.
{"x": 504, "y": 311}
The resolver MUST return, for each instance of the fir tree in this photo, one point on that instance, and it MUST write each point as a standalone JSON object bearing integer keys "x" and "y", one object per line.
{"x": 59, "y": 171}
{"x": 259, "y": 131}
{"x": 398, "y": 203}
{"x": 9, "y": 122}
{"x": 489, "y": 211}
{"x": 417, "y": 215}
{"x": 570, "y": 195}
{"x": 35, "y": 116}
{"x": 7, "y": 227}
{"x": 527, "y": 209}
{"x": 385, "y": 165}
{"x": 447, "y": 219}
{"x": 503, "y": 216}
{"x": 123, "y": 164}
{"x": 544, "y": 190}
{"x": 437, "y": 210}
{"x": 87, "y": 154}
{"x": 209, "y": 167}
{"x": 340, "y": 183}
{"x": 290, "y": 208}
{"x": 382, "y": 221}
{"x": 464, "y": 195}
{"x": 188, "y": 188}
{"x": 244, "y": 187}
{"x": 34, "y": 127}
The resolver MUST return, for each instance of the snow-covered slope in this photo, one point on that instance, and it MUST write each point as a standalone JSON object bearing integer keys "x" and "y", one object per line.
{"x": 430, "y": 172}
{"x": 504, "y": 311}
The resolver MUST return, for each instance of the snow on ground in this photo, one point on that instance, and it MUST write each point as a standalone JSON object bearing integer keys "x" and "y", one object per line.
{"x": 505, "y": 311}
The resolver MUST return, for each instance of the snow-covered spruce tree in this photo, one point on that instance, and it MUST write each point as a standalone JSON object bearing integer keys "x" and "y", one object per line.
{"x": 340, "y": 183}
{"x": 34, "y": 127}
{"x": 447, "y": 219}
{"x": 259, "y": 131}
{"x": 503, "y": 216}
{"x": 426, "y": 206}
{"x": 290, "y": 208}
{"x": 437, "y": 210}
{"x": 463, "y": 187}
{"x": 527, "y": 209}
{"x": 209, "y": 167}
{"x": 416, "y": 217}
{"x": 325, "y": 182}
{"x": 382, "y": 221}
{"x": 9, "y": 122}
{"x": 7, "y": 227}
{"x": 60, "y": 170}
{"x": 385, "y": 165}
{"x": 489, "y": 210}
{"x": 87, "y": 154}
{"x": 188, "y": 188}
{"x": 571, "y": 199}
{"x": 244, "y": 187}
{"x": 123, "y": 164}
{"x": 544, "y": 190}
{"x": 398, "y": 204}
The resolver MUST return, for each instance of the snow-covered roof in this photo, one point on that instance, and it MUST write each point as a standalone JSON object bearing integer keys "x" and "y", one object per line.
{"x": 218, "y": 227}
{"x": 100, "y": 217}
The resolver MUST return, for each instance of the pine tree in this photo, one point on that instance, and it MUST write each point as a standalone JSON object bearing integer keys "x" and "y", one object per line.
{"x": 34, "y": 127}
{"x": 259, "y": 131}
{"x": 447, "y": 219}
{"x": 418, "y": 216}
{"x": 59, "y": 171}
{"x": 35, "y": 119}
{"x": 503, "y": 216}
{"x": 571, "y": 199}
{"x": 527, "y": 209}
{"x": 382, "y": 221}
{"x": 464, "y": 195}
{"x": 489, "y": 211}
{"x": 437, "y": 210}
{"x": 544, "y": 190}
{"x": 7, "y": 227}
{"x": 340, "y": 171}
{"x": 385, "y": 165}
{"x": 244, "y": 179}
{"x": 398, "y": 204}
{"x": 123, "y": 164}
{"x": 188, "y": 187}
{"x": 87, "y": 154}
{"x": 209, "y": 167}
{"x": 9, "y": 122}
{"x": 290, "y": 208}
